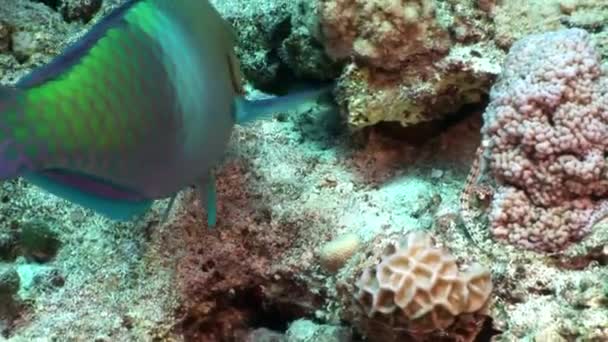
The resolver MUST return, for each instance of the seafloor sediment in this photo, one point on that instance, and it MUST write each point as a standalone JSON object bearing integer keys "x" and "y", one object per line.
{"x": 293, "y": 183}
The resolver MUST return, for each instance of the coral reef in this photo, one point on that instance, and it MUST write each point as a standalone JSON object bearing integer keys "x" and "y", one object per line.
{"x": 278, "y": 266}
{"x": 415, "y": 61}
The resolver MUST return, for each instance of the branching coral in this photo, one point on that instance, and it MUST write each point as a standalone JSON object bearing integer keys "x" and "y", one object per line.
{"x": 545, "y": 137}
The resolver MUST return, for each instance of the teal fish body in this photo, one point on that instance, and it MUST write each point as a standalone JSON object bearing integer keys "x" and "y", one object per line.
{"x": 140, "y": 108}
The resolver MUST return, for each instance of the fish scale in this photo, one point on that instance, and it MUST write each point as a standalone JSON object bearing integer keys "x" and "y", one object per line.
{"x": 91, "y": 126}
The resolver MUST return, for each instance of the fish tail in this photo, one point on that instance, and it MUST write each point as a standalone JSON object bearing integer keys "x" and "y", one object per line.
{"x": 249, "y": 110}
{"x": 12, "y": 159}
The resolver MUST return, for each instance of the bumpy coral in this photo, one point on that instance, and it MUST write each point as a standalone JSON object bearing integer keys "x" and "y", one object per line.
{"x": 417, "y": 287}
{"x": 545, "y": 136}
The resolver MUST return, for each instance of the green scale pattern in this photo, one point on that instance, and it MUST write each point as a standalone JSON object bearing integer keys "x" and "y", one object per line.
{"x": 102, "y": 105}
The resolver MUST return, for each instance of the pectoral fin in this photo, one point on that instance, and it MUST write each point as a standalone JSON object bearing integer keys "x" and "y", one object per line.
{"x": 250, "y": 110}
{"x": 208, "y": 197}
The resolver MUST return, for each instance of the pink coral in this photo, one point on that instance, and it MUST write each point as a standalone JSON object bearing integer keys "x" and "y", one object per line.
{"x": 545, "y": 137}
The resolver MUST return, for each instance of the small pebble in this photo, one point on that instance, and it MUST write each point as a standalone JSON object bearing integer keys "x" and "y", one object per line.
{"x": 335, "y": 253}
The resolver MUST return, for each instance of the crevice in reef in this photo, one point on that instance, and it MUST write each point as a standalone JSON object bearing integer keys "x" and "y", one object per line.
{"x": 423, "y": 132}
{"x": 487, "y": 331}
{"x": 235, "y": 314}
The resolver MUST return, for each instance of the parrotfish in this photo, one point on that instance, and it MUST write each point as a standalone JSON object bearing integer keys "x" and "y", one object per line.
{"x": 141, "y": 107}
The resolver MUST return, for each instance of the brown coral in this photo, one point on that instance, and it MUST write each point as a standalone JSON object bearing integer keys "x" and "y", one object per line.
{"x": 411, "y": 60}
{"x": 385, "y": 33}
{"x": 417, "y": 287}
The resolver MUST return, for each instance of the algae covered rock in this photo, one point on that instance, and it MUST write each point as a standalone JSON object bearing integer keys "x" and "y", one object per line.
{"x": 426, "y": 92}
{"x": 73, "y": 10}
{"x": 278, "y": 41}
{"x": 410, "y": 61}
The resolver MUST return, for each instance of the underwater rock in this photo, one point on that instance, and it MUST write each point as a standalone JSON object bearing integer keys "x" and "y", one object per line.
{"x": 264, "y": 335}
{"x": 550, "y": 334}
{"x": 421, "y": 60}
{"x": 260, "y": 27}
{"x": 72, "y": 10}
{"x": 385, "y": 35}
{"x": 51, "y": 3}
{"x": 335, "y": 253}
{"x": 9, "y": 282}
{"x": 47, "y": 278}
{"x": 37, "y": 33}
{"x": 302, "y": 51}
{"x": 516, "y": 19}
{"x": 304, "y": 330}
{"x": 82, "y": 10}
{"x": 24, "y": 45}
{"x": 38, "y": 278}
